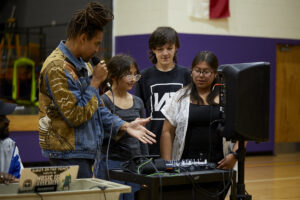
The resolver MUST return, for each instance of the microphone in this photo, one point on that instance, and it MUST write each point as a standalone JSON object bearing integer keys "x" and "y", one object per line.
{"x": 95, "y": 60}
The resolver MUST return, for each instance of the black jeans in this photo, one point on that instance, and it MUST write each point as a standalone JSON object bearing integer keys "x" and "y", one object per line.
{"x": 85, "y": 165}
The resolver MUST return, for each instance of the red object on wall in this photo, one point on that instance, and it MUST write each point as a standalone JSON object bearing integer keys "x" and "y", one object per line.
{"x": 219, "y": 9}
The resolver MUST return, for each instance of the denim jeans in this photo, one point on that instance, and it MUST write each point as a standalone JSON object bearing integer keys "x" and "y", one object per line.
{"x": 100, "y": 172}
{"x": 85, "y": 165}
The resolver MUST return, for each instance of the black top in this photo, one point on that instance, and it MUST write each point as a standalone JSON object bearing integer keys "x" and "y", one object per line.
{"x": 155, "y": 88}
{"x": 127, "y": 146}
{"x": 202, "y": 140}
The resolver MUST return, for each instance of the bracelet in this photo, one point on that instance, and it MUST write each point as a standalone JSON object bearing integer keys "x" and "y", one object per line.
{"x": 235, "y": 154}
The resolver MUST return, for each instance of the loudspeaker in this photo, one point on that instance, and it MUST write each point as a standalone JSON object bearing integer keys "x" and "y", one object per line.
{"x": 245, "y": 100}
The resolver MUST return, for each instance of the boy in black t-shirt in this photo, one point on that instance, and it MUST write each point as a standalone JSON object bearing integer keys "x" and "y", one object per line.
{"x": 159, "y": 82}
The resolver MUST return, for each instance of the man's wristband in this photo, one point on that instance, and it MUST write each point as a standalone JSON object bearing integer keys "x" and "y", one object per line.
{"x": 235, "y": 154}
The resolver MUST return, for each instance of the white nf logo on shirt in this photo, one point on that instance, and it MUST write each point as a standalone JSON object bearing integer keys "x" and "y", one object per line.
{"x": 161, "y": 94}
{"x": 159, "y": 103}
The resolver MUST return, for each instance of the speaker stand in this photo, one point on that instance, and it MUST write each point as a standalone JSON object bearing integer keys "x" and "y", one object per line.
{"x": 241, "y": 192}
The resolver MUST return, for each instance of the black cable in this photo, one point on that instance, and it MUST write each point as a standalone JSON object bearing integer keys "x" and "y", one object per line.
{"x": 197, "y": 187}
{"x": 204, "y": 191}
{"x": 209, "y": 135}
{"x": 216, "y": 194}
{"x": 210, "y": 130}
{"x": 157, "y": 172}
{"x": 127, "y": 169}
{"x": 41, "y": 197}
{"x": 110, "y": 134}
{"x": 102, "y": 188}
{"x": 217, "y": 120}
{"x": 160, "y": 181}
{"x": 193, "y": 184}
{"x": 210, "y": 150}
{"x": 223, "y": 182}
{"x": 191, "y": 180}
{"x": 193, "y": 193}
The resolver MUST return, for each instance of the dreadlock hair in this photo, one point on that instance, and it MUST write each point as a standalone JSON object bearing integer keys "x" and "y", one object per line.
{"x": 88, "y": 20}
{"x": 212, "y": 61}
{"x": 160, "y": 37}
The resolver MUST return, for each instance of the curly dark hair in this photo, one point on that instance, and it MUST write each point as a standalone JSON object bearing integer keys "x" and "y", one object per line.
{"x": 119, "y": 65}
{"x": 160, "y": 37}
{"x": 88, "y": 20}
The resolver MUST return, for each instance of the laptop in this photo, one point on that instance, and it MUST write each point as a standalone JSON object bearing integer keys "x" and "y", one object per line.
{"x": 47, "y": 179}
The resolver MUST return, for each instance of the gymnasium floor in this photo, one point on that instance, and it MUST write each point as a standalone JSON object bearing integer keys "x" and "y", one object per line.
{"x": 273, "y": 177}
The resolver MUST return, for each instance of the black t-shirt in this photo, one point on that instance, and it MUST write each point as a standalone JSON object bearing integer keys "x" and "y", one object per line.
{"x": 202, "y": 140}
{"x": 155, "y": 88}
{"x": 126, "y": 147}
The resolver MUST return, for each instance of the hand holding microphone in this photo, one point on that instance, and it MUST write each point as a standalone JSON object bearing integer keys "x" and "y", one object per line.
{"x": 100, "y": 72}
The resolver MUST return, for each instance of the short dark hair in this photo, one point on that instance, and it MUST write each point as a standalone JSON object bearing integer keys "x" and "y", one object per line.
{"x": 160, "y": 37}
{"x": 89, "y": 20}
{"x": 119, "y": 65}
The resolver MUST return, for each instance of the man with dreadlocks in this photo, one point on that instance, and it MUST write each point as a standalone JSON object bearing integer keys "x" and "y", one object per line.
{"x": 72, "y": 119}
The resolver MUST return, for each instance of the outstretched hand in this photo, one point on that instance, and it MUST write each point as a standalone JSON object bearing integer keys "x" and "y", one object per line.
{"x": 136, "y": 129}
{"x": 227, "y": 163}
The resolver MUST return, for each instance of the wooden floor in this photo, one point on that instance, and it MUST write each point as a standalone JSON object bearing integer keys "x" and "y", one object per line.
{"x": 273, "y": 177}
